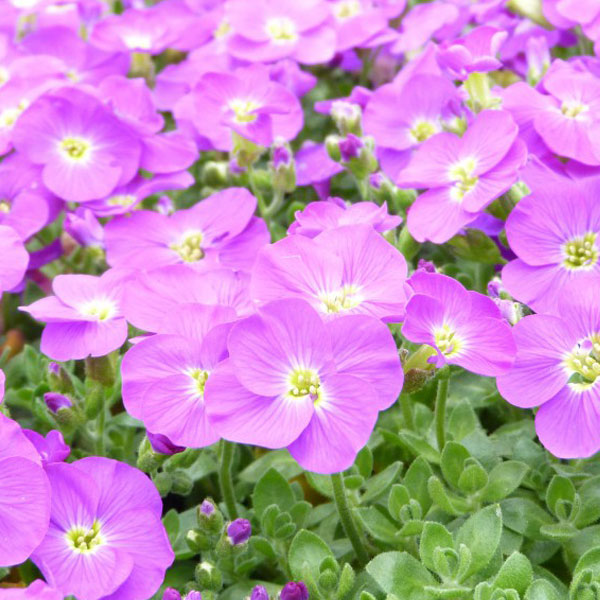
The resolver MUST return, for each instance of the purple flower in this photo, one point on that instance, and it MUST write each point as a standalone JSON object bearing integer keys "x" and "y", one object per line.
{"x": 38, "y": 590}
{"x": 243, "y": 103}
{"x": 293, "y": 380}
{"x": 259, "y": 592}
{"x": 150, "y": 297}
{"x": 85, "y": 150}
{"x": 556, "y": 368}
{"x": 358, "y": 22}
{"x": 2, "y": 383}
{"x": 193, "y": 595}
{"x": 350, "y": 147}
{"x": 162, "y": 444}
{"x": 476, "y": 52}
{"x": 555, "y": 233}
{"x": 348, "y": 270}
{"x": 106, "y": 539}
{"x": 207, "y": 508}
{"x": 83, "y": 317}
{"x": 314, "y": 166}
{"x": 323, "y": 216}
{"x": 14, "y": 258}
{"x": 219, "y": 231}
{"x": 566, "y": 119}
{"x": 84, "y": 228}
{"x": 164, "y": 376}
{"x": 269, "y": 30}
{"x": 24, "y": 495}
{"x": 56, "y": 401}
{"x": 463, "y": 175}
{"x": 294, "y": 590}
{"x": 462, "y": 327}
{"x": 239, "y": 531}
{"x": 51, "y": 448}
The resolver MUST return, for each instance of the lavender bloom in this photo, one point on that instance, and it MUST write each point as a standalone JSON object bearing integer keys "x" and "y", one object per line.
{"x": 24, "y": 495}
{"x": 239, "y": 531}
{"x": 171, "y": 594}
{"x": 348, "y": 270}
{"x": 84, "y": 149}
{"x": 293, "y": 380}
{"x": 243, "y": 103}
{"x": 164, "y": 376}
{"x": 219, "y": 231}
{"x": 463, "y": 175}
{"x": 14, "y": 258}
{"x": 105, "y": 517}
{"x": 51, "y": 448}
{"x": 83, "y": 317}
{"x": 476, "y": 52}
{"x": 259, "y": 592}
{"x": 84, "y": 228}
{"x": 323, "y": 216}
{"x": 37, "y": 590}
{"x": 555, "y": 234}
{"x": 2, "y": 383}
{"x": 314, "y": 166}
{"x": 462, "y": 327}
{"x": 294, "y": 591}
{"x": 556, "y": 368}
{"x": 268, "y": 30}
{"x": 358, "y": 22}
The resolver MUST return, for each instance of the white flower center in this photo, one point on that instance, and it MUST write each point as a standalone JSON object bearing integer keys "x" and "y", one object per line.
{"x": 101, "y": 308}
{"x": 281, "y": 30}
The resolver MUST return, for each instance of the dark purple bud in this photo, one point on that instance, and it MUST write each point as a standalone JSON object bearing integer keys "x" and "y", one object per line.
{"x": 239, "y": 531}
{"x": 350, "y": 147}
{"x": 376, "y": 180}
{"x": 207, "y": 508}
{"x": 162, "y": 444}
{"x": 259, "y": 593}
{"x": 193, "y": 595}
{"x": 294, "y": 590}
{"x": 281, "y": 156}
{"x": 171, "y": 594}
{"x": 426, "y": 265}
{"x": 53, "y": 368}
{"x": 56, "y": 401}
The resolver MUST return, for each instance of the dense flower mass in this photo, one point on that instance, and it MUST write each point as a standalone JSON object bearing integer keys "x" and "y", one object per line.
{"x": 299, "y": 299}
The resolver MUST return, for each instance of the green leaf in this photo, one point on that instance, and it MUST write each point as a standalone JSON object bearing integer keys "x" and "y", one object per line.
{"x": 454, "y": 456}
{"x": 589, "y": 493}
{"x": 307, "y": 548}
{"x": 415, "y": 444}
{"x": 277, "y": 459}
{"x": 462, "y": 421}
{"x": 482, "y": 547}
{"x": 561, "y": 489}
{"x": 262, "y": 545}
{"x": 542, "y": 590}
{"x": 516, "y": 573}
{"x": 380, "y": 483}
{"x": 378, "y": 525}
{"x": 452, "y": 505}
{"x": 434, "y": 535}
{"x": 504, "y": 479}
{"x": 272, "y": 488}
{"x": 401, "y": 574}
{"x": 474, "y": 478}
{"x": 416, "y": 480}
{"x": 399, "y": 497}
{"x": 559, "y": 531}
{"x": 364, "y": 462}
{"x": 525, "y": 517}
{"x": 171, "y": 523}
{"x": 476, "y": 246}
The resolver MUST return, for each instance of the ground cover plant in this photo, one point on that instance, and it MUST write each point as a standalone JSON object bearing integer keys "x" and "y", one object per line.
{"x": 300, "y": 300}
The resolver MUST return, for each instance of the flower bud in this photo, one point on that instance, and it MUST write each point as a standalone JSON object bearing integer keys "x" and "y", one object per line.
{"x": 350, "y": 147}
{"x": 171, "y": 594}
{"x": 165, "y": 205}
{"x": 193, "y": 595}
{"x": 208, "y": 577}
{"x": 215, "y": 173}
{"x": 239, "y": 532}
{"x": 197, "y": 541}
{"x": 56, "y": 401}
{"x": 84, "y": 228}
{"x": 163, "y": 483}
{"x": 294, "y": 590}
{"x": 347, "y": 117}
{"x": 283, "y": 167}
{"x": 259, "y": 593}
{"x": 182, "y": 483}
{"x": 161, "y": 444}
{"x": 210, "y": 519}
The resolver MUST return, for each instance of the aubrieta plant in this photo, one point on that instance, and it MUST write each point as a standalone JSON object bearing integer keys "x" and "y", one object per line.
{"x": 300, "y": 300}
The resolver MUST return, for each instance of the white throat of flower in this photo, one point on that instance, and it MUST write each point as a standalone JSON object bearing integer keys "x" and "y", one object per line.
{"x": 580, "y": 253}
{"x": 582, "y": 364}
{"x": 346, "y": 298}
{"x": 281, "y": 30}
{"x": 346, "y": 9}
{"x": 84, "y": 540}
{"x": 100, "y": 308}
{"x": 303, "y": 382}
{"x": 75, "y": 149}
{"x": 463, "y": 178}
{"x": 189, "y": 247}
{"x": 447, "y": 341}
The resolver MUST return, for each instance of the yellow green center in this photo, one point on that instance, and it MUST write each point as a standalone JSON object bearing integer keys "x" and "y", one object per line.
{"x": 74, "y": 148}
{"x": 581, "y": 252}
{"x": 573, "y": 108}
{"x": 223, "y": 30}
{"x": 243, "y": 110}
{"x": 101, "y": 308}
{"x": 345, "y": 298}
{"x": 4, "y": 206}
{"x": 305, "y": 382}
{"x": 583, "y": 362}
{"x": 199, "y": 378}
{"x": 189, "y": 248}
{"x": 281, "y": 30}
{"x": 463, "y": 178}
{"x": 447, "y": 340}
{"x": 422, "y": 130}
{"x": 85, "y": 540}
{"x": 122, "y": 200}
{"x": 347, "y": 9}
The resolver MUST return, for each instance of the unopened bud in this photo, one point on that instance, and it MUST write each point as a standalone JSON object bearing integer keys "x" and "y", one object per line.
{"x": 294, "y": 590}
{"x": 239, "y": 531}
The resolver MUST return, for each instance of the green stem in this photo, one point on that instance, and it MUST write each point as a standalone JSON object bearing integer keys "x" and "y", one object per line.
{"x": 348, "y": 523}
{"x": 406, "y": 404}
{"x": 225, "y": 479}
{"x": 262, "y": 205}
{"x": 100, "y": 423}
{"x": 276, "y": 202}
{"x": 440, "y": 407}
